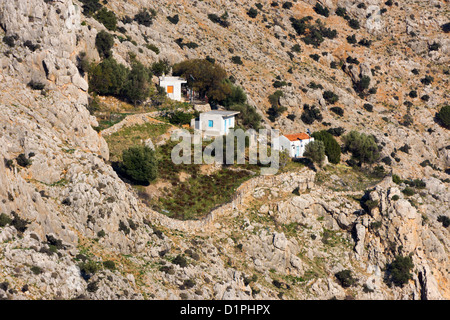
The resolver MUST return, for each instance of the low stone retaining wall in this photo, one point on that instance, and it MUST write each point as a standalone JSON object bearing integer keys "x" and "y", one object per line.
{"x": 286, "y": 182}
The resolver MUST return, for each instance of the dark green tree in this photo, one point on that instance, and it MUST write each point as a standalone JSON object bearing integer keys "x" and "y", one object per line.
{"x": 315, "y": 151}
{"x": 332, "y": 148}
{"x": 140, "y": 164}
{"x": 104, "y": 43}
{"x": 400, "y": 270}
{"x": 443, "y": 116}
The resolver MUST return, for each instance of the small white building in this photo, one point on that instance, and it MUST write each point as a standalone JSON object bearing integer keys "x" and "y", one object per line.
{"x": 295, "y": 143}
{"x": 215, "y": 123}
{"x": 172, "y": 86}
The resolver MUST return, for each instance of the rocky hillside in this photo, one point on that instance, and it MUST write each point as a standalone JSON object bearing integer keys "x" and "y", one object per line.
{"x": 71, "y": 228}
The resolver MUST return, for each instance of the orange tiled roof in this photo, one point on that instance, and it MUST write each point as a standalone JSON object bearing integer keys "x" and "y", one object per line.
{"x": 297, "y": 136}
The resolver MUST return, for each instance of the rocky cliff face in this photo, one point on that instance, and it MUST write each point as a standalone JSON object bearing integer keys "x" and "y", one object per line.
{"x": 67, "y": 206}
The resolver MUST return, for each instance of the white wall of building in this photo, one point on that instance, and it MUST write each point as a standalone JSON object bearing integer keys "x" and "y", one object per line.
{"x": 175, "y": 83}
{"x": 296, "y": 148}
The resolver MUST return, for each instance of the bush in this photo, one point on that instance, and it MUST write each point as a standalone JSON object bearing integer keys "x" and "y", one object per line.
{"x": 443, "y": 116}
{"x": 321, "y": 10}
{"x": 362, "y": 84}
{"x": 341, "y": 12}
{"x": 10, "y": 41}
{"x": 109, "y": 265}
{"x": 248, "y": 117}
{"x": 174, "y": 19}
{"x": 368, "y": 107}
{"x": 363, "y": 147}
{"x": 427, "y": 80}
{"x": 35, "y": 85}
{"x": 400, "y": 270}
{"x": 144, "y": 18}
{"x": 104, "y": 43}
{"x": 152, "y": 47}
{"x": 4, "y": 220}
{"x": 236, "y": 60}
{"x": 408, "y": 191}
{"x": 222, "y": 20}
{"x": 354, "y": 24}
{"x": 23, "y": 161}
{"x": 107, "y": 18}
{"x": 90, "y": 6}
{"x": 180, "y": 260}
{"x": 180, "y": 118}
{"x": 276, "y": 109}
{"x": 345, "y": 278}
{"x": 138, "y": 84}
{"x": 337, "y": 132}
{"x": 161, "y": 67}
{"x": 207, "y": 78}
{"x": 315, "y": 57}
{"x": 351, "y": 39}
{"x": 315, "y": 151}
{"x": 311, "y": 114}
{"x": 396, "y": 179}
{"x": 330, "y": 97}
{"x": 108, "y": 78}
{"x": 444, "y": 220}
{"x": 140, "y": 164}
{"x": 252, "y": 13}
{"x": 287, "y": 5}
{"x": 332, "y": 148}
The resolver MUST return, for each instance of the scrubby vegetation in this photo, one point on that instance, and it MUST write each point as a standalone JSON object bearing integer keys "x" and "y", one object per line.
{"x": 332, "y": 148}
{"x": 400, "y": 270}
{"x": 140, "y": 164}
{"x": 363, "y": 147}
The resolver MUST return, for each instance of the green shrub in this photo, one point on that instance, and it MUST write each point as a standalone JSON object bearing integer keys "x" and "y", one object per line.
{"x": 315, "y": 151}
{"x": 140, "y": 164}
{"x": 321, "y": 10}
{"x": 354, "y": 24}
{"x": 108, "y": 78}
{"x": 104, "y": 43}
{"x": 23, "y": 161}
{"x": 152, "y": 47}
{"x": 276, "y": 109}
{"x": 109, "y": 265}
{"x": 236, "y": 60}
{"x": 174, "y": 19}
{"x": 332, "y": 148}
{"x": 4, "y": 220}
{"x": 20, "y": 224}
{"x": 443, "y": 116}
{"x": 180, "y": 118}
{"x": 345, "y": 278}
{"x": 10, "y": 40}
{"x": 222, "y": 20}
{"x": 311, "y": 114}
{"x": 368, "y": 107}
{"x": 144, "y": 18}
{"x": 408, "y": 191}
{"x": 444, "y": 220}
{"x": 252, "y": 13}
{"x": 363, "y": 147}
{"x": 138, "y": 84}
{"x": 35, "y": 85}
{"x": 36, "y": 270}
{"x": 395, "y": 197}
{"x": 107, "y": 18}
{"x": 180, "y": 260}
{"x": 90, "y": 6}
{"x": 400, "y": 270}
{"x": 205, "y": 77}
{"x": 330, "y": 97}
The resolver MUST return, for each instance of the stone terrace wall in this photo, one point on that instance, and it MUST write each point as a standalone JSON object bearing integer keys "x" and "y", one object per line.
{"x": 286, "y": 182}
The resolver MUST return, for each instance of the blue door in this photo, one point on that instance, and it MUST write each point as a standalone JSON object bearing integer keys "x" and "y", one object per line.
{"x": 297, "y": 153}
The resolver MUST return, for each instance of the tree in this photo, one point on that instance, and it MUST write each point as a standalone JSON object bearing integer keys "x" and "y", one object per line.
{"x": 138, "y": 85}
{"x": 345, "y": 278}
{"x": 107, "y": 18}
{"x": 311, "y": 114}
{"x": 363, "y": 147}
{"x": 332, "y": 148}
{"x": 144, "y": 18}
{"x": 205, "y": 77}
{"x": 248, "y": 117}
{"x": 140, "y": 164}
{"x": 108, "y": 77}
{"x": 443, "y": 116}
{"x": 400, "y": 270}
{"x": 104, "y": 43}
{"x": 315, "y": 151}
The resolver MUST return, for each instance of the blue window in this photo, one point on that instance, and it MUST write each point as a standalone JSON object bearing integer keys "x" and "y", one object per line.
{"x": 210, "y": 123}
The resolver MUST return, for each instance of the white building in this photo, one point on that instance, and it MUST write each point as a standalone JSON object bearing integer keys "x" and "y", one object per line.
{"x": 215, "y": 123}
{"x": 172, "y": 86}
{"x": 295, "y": 143}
